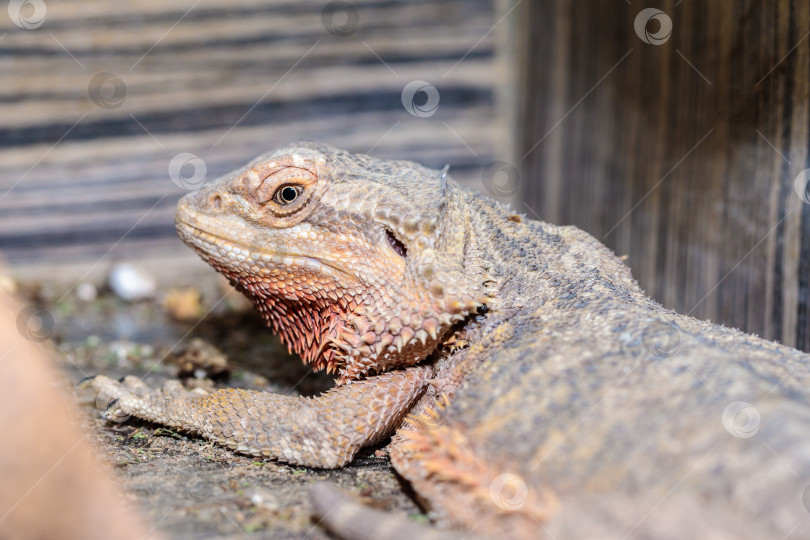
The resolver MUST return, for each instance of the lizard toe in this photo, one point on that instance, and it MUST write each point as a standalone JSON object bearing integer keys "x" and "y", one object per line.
{"x": 173, "y": 387}
{"x": 119, "y": 400}
{"x": 107, "y": 389}
{"x": 113, "y": 413}
{"x": 135, "y": 385}
{"x": 122, "y": 409}
{"x": 85, "y": 382}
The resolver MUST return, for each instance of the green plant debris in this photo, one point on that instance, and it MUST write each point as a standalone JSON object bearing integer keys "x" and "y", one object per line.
{"x": 253, "y": 527}
{"x": 164, "y": 432}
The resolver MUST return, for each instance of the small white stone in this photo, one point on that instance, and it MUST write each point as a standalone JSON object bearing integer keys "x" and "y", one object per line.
{"x": 86, "y": 292}
{"x": 131, "y": 283}
{"x": 264, "y": 498}
{"x": 121, "y": 351}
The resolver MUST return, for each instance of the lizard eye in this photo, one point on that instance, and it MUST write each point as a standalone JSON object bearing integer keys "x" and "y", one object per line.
{"x": 287, "y": 194}
{"x": 281, "y": 191}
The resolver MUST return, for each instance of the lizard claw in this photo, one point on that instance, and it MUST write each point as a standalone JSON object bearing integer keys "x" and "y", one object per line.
{"x": 85, "y": 382}
{"x": 134, "y": 385}
{"x": 113, "y": 413}
{"x": 116, "y": 400}
{"x": 109, "y": 388}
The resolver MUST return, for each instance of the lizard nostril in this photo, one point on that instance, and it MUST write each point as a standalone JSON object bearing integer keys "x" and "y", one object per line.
{"x": 215, "y": 201}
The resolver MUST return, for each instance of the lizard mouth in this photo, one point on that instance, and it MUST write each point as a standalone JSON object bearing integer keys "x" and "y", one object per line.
{"x": 309, "y": 323}
{"x": 213, "y": 244}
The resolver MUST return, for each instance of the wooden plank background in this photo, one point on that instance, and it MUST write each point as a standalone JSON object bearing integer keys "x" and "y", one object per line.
{"x": 683, "y": 155}
{"x": 98, "y": 99}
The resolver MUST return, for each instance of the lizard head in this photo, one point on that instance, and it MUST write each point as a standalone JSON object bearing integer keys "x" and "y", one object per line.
{"x": 360, "y": 265}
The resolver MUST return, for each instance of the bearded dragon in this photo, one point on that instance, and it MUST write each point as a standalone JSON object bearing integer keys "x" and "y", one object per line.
{"x": 532, "y": 388}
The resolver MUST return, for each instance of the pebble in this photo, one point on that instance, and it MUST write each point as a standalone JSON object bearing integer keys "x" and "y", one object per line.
{"x": 264, "y": 498}
{"x": 183, "y": 304}
{"x": 86, "y": 292}
{"x": 121, "y": 350}
{"x": 131, "y": 283}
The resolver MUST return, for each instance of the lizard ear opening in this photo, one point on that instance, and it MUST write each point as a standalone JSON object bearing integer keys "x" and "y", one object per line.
{"x": 395, "y": 243}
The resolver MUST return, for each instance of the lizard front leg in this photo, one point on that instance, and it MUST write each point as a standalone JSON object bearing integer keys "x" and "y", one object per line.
{"x": 324, "y": 431}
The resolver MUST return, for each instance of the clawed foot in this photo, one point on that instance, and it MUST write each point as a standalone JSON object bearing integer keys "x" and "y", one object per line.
{"x": 325, "y": 431}
{"x": 130, "y": 396}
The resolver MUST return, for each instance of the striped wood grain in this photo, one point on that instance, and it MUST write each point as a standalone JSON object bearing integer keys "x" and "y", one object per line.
{"x": 681, "y": 155}
{"x": 225, "y": 81}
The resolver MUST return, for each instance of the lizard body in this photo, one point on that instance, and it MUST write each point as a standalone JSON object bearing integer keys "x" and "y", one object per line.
{"x": 546, "y": 393}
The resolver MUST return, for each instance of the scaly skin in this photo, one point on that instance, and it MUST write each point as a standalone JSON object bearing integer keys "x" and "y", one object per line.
{"x": 548, "y": 394}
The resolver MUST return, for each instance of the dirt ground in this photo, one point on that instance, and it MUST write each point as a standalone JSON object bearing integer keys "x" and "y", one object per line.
{"x": 188, "y": 487}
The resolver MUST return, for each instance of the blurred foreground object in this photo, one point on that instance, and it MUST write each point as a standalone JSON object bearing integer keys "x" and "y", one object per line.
{"x": 51, "y": 486}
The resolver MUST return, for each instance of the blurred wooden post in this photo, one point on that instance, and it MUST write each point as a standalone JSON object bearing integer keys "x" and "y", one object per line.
{"x": 682, "y": 152}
